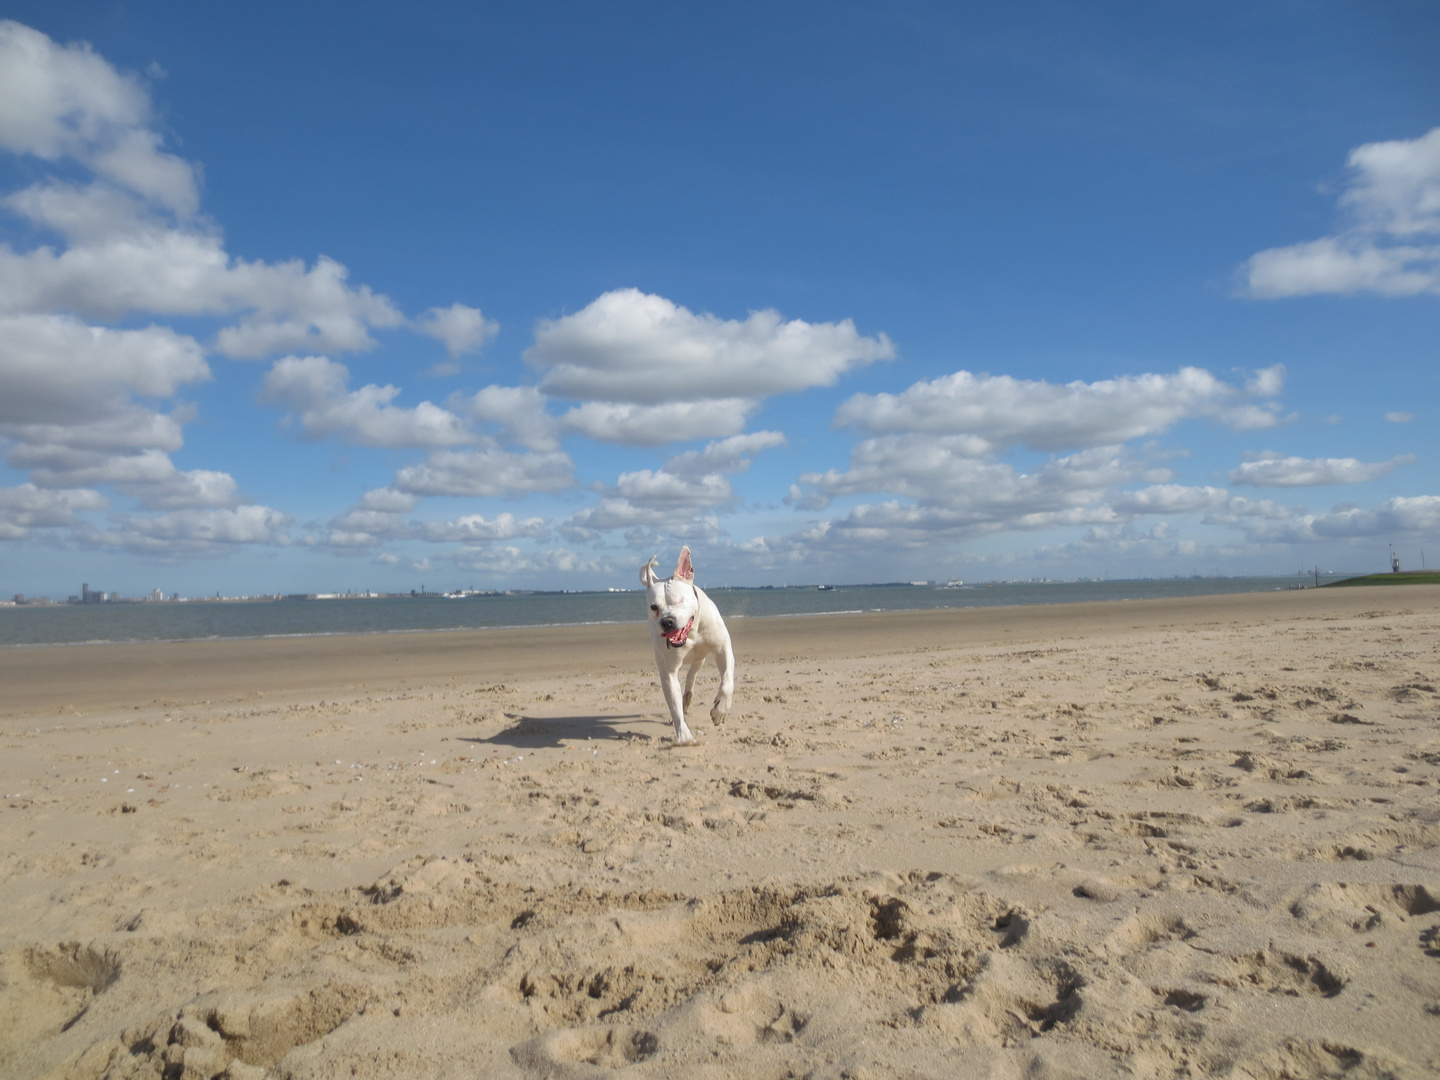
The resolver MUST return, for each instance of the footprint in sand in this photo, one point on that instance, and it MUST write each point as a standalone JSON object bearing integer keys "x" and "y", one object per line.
{"x": 44, "y": 991}
{"x": 564, "y": 1052}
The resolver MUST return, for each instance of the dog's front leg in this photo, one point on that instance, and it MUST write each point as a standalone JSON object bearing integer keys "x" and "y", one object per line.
{"x": 670, "y": 684}
{"x": 690, "y": 673}
{"x": 725, "y": 696}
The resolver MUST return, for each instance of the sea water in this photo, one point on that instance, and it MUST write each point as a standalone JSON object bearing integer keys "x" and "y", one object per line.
{"x": 63, "y": 624}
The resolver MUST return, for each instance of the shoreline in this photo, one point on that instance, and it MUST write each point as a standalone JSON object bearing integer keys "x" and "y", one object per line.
{"x": 131, "y": 672}
{"x": 67, "y": 624}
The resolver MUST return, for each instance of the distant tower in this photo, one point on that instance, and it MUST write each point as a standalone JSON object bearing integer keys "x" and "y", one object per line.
{"x": 1394, "y": 563}
{"x": 85, "y": 593}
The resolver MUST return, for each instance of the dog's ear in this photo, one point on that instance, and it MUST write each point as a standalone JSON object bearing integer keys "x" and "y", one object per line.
{"x": 684, "y": 568}
{"x": 647, "y": 572}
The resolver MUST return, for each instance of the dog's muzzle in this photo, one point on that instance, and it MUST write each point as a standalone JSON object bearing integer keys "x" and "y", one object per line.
{"x": 677, "y": 638}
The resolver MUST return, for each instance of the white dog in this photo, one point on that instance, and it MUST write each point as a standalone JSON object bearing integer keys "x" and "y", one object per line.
{"x": 685, "y": 627}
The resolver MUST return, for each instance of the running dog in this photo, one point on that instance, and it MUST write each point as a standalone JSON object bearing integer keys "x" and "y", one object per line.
{"x": 686, "y": 627}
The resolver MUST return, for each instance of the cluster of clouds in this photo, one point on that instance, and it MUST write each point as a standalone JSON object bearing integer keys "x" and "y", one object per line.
{"x": 77, "y": 399}
{"x": 93, "y": 403}
{"x": 630, "y": 369}
{"x": 93, "y": 413}
{"x": 938, "y": 446}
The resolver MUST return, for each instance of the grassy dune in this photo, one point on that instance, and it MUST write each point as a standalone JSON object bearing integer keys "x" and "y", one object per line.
{"x": 1405, "y": 577}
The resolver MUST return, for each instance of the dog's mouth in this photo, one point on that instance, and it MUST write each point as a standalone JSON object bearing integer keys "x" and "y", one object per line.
{"x": 677, "y": 638}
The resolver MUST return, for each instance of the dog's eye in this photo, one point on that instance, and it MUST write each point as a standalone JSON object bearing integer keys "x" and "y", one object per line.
{"x": 655, "y": 608}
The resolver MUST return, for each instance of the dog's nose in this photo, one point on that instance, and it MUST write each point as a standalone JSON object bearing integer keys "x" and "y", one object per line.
{"x": 667, "y": 623}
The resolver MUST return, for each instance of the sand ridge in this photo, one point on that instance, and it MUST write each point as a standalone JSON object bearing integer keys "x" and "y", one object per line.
{"x": 1164, "y": 840}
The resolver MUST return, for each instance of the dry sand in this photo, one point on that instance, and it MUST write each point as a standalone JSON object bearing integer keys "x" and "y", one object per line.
{"x": 1160, "y": 839}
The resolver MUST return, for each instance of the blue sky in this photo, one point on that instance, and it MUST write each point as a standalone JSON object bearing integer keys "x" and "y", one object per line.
{"x": 344, "y": 296}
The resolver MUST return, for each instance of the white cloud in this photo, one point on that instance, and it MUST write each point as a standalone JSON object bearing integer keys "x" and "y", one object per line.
{"x": 508, "y": 562}
{"x": 1251, "y": 417}
{"x": 1237, "y": 510}
{"x": 65, "y": 101}
{"x": 314, "y": 388}
{"x": 657, "y": 501}
{"x": 177, "y": 490}
{"x": 703, "y": 529}
{"x": 1276, "y": 470}
{"x": 26, "y": 507}
{"x": 345, "y": 541}
{"x": 68, "y": 467}
{"x": 56, "y": 369}
{"x": 388, "y": 501}
{"x": 1392, "y": 199}
{"x": 629, "y": 346}
{"x": 671, "y": 494}
{"x": 1343, "y": 264}
{"x": 1130, "y": 543}
{"x": 1399, "y": 417}
{"x": 134, "y": 244}
{"x": 578, "y": 534}
{"x": 1403, "y": 516}
{"x": 148, "y": 476}
{"x": 730, "y": 455}
{"x": 1416, "y": 514}
{"x": 954, "y": 496}
{"x": 459, "y": 328}
{"x": 518, "y": 412}
{"x": 486, "y": 471}
{"x": 941, "y": 470}
{"x": 1396, "y": 185}
{"x": 420, "y": 566}
{"x": 1267, "y": 382}
{"x": 675, "y": 500}
{"x": 476, "y": 529}
{"x": 68, "y": 412}
{"x": 379, "y": 514}
{"x": 615, "y": 513}
{"x": 871, "y": 537}
{"x": 283, "y": 307}
{"x": 129, "y": 428}
{"x": 987, "y": 414}
{"x": 655, "y": 425}
{"x": 294, "y": 308}
{"x": 83, "y": 215}
{"x": 193, "y": 532}
{"x": 1167, "y": 499}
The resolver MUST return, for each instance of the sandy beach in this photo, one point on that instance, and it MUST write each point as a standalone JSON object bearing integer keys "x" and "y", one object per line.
{"x": 1147, "y": 839}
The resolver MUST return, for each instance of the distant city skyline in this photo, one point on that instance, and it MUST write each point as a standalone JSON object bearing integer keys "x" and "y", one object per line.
{"x": 158, "y": 595}
{"x": 515, "y": 298}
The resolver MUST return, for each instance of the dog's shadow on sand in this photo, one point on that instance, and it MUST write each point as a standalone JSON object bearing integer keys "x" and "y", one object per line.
{"x": 534, "y": 732}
